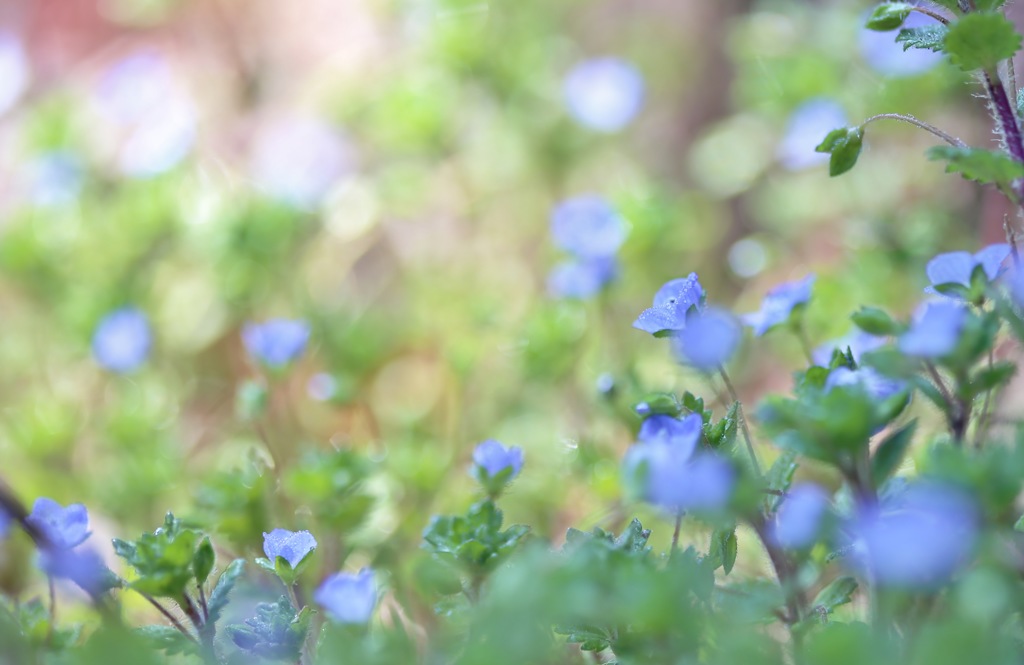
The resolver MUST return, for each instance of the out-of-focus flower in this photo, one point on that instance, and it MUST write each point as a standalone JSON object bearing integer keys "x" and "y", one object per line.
{"x": 54, "y": 178}
{"x": 298, "y": 160}
{"x": 857, "y": 341}
{"x": 682, "y": 433}
{"x": 876, "y": 385}
{"x": 64, "y": 527}
{"x": 800, "y": 518}
{"x": 934, "y": 331}
{"x": 667, "y": 473}
{"x": 709, "y": 339}
{"x": 588, "y": 227}
{"x": 918, "y": 540}
{"x": 276, "y": 342}
{"x": 1014, "y": 283}
{"x": 348, "y": 598}
{"x": 883, "y": 54}
{"x": 5, "y": 523}
{"x": 581, "y": 278}
{"x": 161, "y": 142}
{"x": 14, "y": 71}
{"x": 778, "y": 305}
{"x": 82, "y": 566}
{"x": 122, "y": 340}
{"x": 671, "y": 304}
{"x": 956, "y": 267}
{"x": 807, "y": 126}
{"x": 292, "y": 546}
{"x": 604, "y": 94}
{"x": 494, "y": 458}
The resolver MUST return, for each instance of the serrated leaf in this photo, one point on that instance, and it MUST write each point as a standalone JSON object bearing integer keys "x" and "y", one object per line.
{"x": 169, "y": 640}
{"x": 875, "y": 321}
{"x": 225, "y": 583}
{"x": 839, "y": 592}
{"x": 889, "y": 16}
{"x": 929, "y": 38}
{"x": 981, "y": 41}
{"x": 844, "y": 145}
{"x": 890, "y": 453}
{"x": 985, "y": 166}
{"x": 780, "y": 476}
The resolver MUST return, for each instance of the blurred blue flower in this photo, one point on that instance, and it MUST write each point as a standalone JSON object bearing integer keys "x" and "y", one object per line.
{"x": 581, "y": 279}
{"x": 671, "y": 304}
{"x": 878, "y": 386}
{"x": 919, "y": 539}
{"x": 14, "y": 70}
{"x": 709, "y": 339}
{"x": 292, "y": 546}
{"x": 801, "y": 516}
{"x": 1014, "y": 283}
{"x": 122, "y": 340}
{"x": 55, "y": 178}
{"x": 778, "y": 305}
{"x": 64, "y": 528}
{"x": 493, "y": 458}
{"x": 703, "y": 483}
{"x": 857, "y": 341}
{"x": 956, "y": 267}
{"x": 297, "y": 160}
{"x": 883, "y": 54}
{"x": 84, "y": 567}
{"x": 807, "y": 126}
{"x": 276, "y": 342}
{"x": 588, "y": 227}
{"x": 935, "y": 330}
{"x": 161, "y": 141}
{"x": 348, "y": 598}
{"x": 5, "y": 523}
{"x": 604, "y": 94}
{"x": 642, "y": 409}
{"x": 682, "y": 433}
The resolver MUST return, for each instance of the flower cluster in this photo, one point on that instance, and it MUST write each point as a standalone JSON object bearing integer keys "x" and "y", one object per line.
{"x": 590, "y": 230}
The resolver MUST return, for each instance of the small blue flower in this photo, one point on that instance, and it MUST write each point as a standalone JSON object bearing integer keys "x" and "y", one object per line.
{"x": 671, "y": 304}
{"x": 84, "y": 567}
{"x": 122, "y": 340}
{"x": 642, "y": 409}
{"x": 671, "y": 477}
{"x": 292, "y": 546}
{"x": 276, "y": 342}
{"x": 604, "y": 94}
{"x": 919, "y": 540}
{"x": 683, "y": 433}
{"x": 778, "y": 305}
{"x": 5, "y": 523}
{"x": 493, "y": 458}
{"x": 857, "y": 341}
{"x": 581, "y": 279}
{"x": 348, "y": 598}
{"x": 709, "y": 339}
{"x": 935, "y": 331}
{"x": 64, "y": 528}
{"x": 800, "y": 517}
{"x": 886, "y": 56}
{"x": 878, "y": 386}
{"x": 587, "y": 227}
{"x": 956, "y": 267}
{"x": 808, "y": 124}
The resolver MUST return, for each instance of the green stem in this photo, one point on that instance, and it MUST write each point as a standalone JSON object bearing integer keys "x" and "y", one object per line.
{"x": 743, "y": 419}
{"x": 921, "y": 124}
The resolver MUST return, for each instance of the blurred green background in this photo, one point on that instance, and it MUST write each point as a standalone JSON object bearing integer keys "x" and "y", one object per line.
{"x": 385, "y": 170}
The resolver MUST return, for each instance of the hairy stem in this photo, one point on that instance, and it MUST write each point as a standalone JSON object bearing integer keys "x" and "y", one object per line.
{"x": 931, "y": 129}
{"x": 935, "y": 15}
{"x": 743, "y": 420}
{"x": 1009, "y": 127}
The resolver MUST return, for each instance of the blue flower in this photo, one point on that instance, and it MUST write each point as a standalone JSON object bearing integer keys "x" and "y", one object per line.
{"x": 935, "y": 331}
{"x": 122, "y": 340}
{"x": 348, "y": 598}
{"x": 276, "y": 342}
{"x": 297, "y": 160}
{"x": 709, "y": 339}
{"x": 671, "y": 477}
{"x": 956, "y": 267}
{"x": 581, "y": 279}
{"x": 494, "y": 458}
{"x": 919, "y": 540}
{"x": 800, "y": 517}
{"x": 64, "y": 528}
{"x": 1014, "y": 283}
{"x": 84, "y": 567}
{"x": 808, "y": 124}
{"x": 292, "y": 546}
{"x": 857, "y": 341}
{"x": 886, "y": 56}
{"x": 604, "y": 94}
{"x": 5, "y": 523}
{"x": 682, "y": 433}
{"x": 588, "y": 227}
{"x": 878, "y": 386}
{"x": 55, "y": 178}
{"x": 778, "y": 305}
{"x": 671, "y": 304}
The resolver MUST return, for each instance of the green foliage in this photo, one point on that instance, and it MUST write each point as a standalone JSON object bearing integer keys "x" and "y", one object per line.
{"x": 333, "y": 485}
{"x": 275, "y": 633}
{"x": 165, "y": 560}
{"x": 838, "y": 592}
{"x": 844, "y": 145}
{"x": 169, "y": 640}
{"x": 981, "y": 41}
{"x": 930, "y": 38}
{"x": 875, "y": 321}
{"x": 889, "y": 16}
{"x": 222, "y": 591}
{"x": 984, "y": 166}
{"x": 474, "y": 540}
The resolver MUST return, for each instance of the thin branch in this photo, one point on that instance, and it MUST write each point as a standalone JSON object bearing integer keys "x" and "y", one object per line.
{"x": 675, "y": 533}
{"x": 743, "y": 419}
{"x": 935, "y": 15}
{"x": 931, "y": 129}
{"x": 170, "y": 617}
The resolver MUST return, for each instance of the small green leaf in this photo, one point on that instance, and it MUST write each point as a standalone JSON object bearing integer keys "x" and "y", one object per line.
{"x": 889, "y": 16}
{"x": 1019, "y": 526}
{"x": 981, "y": 41}
{"x": 202, "y": 562}
{"x": 984, "y": 166}
{"x": 780, "y": 476}
{"x": 839, "y": 592}
{"x": 990, "y": 377}
{"x": 929, "y": 38}
{"x": 844, "y": 145}
{"x": 219, "y": 598}
{"x": 890, "y": 453}
{"x": 875, "y": 321}
{"x": 662, "y": 403}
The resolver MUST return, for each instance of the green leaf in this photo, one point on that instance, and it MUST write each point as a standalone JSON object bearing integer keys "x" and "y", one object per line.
{"x": 984, "y": 166}
{"x": 169, "y": 640}
{"x": 844, "y": 145}
{"x": 1020, "y": 102}
{"x": 839, "y": 592}
{"x": 875, "y": 321}
{"x": 990, "y": 377}
{"x": 890, "y": 453}
{"x": 202, "y": 562}
{"x": 219, "y": 598}
{"x": 1019, "y": 526}
{"x": 929, "y": 38}
{"x": 662, "y": 403}
{"x": 988, "y": 5}
{"x": 981, "y": 41}
{"x": 780, "y": 477}
{"x": 889, "y": 16}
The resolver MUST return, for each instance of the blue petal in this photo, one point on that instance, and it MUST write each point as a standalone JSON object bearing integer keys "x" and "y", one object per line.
{"x": 348, "y": 598}
{"x": 604, "y": 94}
{"x": 709, "y": 340}
{"x": 800, "y": 516}
{"x": 935, "y": 332}
{"x": 683, "y": 433}
{"x": 656, "y": 320}
{"x": 588, "y": 227}
{"x": 686, "y": 292}
{"x": 951, "y": 267}
{"x": 991, "y": 259}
